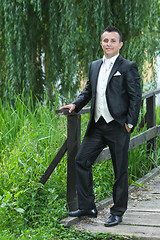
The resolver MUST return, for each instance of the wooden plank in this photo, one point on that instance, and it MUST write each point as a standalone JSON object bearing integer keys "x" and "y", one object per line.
{"x": 85, "y": 110}
{"x": 151, "y": 121}
{"x": 143, "y": 137}
{"x": 150, "y": 93}
{"x": 139, "y": 232}
{"x": 54, "y": 163}
{"x": 63, "y": 112}
{"x": 73, "y": 144}
{"x": 142, "y": 210}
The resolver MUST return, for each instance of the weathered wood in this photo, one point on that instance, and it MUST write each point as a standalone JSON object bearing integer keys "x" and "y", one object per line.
{"x": 144, "y": 137}
{"x": 141, "y": 220}
{"x": 66, "y": 112}
{"x": 54, "y": 163}
{"x": 150, "y": 93}
{"x": 63, "y": 112}
{"x": 151, "y": 122}
{"x": 73, "y": 144}
{"x": 85, "y": 110}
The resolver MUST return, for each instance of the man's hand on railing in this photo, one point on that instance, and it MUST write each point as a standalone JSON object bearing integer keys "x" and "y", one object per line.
{"x": 71, "y": 107}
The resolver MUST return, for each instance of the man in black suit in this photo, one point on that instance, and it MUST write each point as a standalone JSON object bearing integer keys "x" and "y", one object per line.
{"x": 113, "y": 87}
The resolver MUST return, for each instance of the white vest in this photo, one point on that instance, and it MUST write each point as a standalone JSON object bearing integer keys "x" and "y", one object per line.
{"x": 101, "y": 106}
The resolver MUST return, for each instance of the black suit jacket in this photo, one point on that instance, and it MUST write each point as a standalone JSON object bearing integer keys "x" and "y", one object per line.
{"x": 123, "y": 92}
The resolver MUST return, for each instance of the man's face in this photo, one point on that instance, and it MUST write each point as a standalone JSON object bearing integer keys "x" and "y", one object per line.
{"x": 111, "y": 44}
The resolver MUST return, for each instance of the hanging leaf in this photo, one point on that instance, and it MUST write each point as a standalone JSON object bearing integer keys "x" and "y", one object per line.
{"x": 50, "y": 44}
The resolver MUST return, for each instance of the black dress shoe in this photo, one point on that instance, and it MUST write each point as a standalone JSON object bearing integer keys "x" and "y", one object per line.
{"x": 113, "y": 220}
{"x": 92, "y": 213}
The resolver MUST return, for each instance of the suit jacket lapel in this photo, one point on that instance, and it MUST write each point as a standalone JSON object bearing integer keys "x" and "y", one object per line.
{"x": 118, "y": 61}
{"x": 96, "y": 73}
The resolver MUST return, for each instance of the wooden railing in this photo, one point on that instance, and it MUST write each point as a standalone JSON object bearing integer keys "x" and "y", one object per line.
{"x": 72, "y": 143}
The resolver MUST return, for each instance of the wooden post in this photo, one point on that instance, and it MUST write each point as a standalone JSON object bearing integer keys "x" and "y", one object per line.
{"x": 73, "y": 144}
{"x": 151, "y": 122}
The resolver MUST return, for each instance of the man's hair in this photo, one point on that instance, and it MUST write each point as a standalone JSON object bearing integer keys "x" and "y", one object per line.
{"x": 113, "y": 29}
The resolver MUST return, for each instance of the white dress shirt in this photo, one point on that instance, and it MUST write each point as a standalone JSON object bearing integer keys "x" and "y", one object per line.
{"x": 101, "y": 106}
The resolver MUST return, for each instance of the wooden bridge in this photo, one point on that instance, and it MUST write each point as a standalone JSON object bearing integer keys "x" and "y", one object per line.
{"x": 142, "y": 218}
{"x": 72, "y": 144}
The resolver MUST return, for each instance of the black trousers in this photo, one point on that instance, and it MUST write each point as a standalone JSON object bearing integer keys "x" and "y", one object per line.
{"x": 117, "y": 138}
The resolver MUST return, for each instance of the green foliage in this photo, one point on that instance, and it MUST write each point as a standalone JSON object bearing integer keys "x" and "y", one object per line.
{"x": 49, "y": 44}
{"x": 21, "y": 31}
{"x": 29, "y": 139}
{"x": 28, "y": 143}
{"x": 103, "y": 180}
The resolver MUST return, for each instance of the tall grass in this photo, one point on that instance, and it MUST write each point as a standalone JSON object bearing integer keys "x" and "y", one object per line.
{"x": 30, "y": 137}
{"x": 29, "y": 140}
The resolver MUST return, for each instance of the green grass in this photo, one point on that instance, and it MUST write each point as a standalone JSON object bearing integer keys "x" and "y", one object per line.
{"x": 29, "y": 140}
